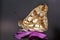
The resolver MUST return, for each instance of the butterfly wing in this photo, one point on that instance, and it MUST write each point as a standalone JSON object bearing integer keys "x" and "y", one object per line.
{"x": 37, "y": 19}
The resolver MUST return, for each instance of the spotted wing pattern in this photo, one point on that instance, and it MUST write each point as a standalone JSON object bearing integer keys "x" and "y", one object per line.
{"x": 36, "y": 19}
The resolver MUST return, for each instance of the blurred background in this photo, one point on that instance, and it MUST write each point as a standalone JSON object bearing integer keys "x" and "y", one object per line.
{"x": 14, "y": 10}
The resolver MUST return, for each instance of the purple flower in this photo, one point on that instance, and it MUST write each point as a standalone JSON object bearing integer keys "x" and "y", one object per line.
{"x": 21, "y": 34}
{"x": 30, "y": 34}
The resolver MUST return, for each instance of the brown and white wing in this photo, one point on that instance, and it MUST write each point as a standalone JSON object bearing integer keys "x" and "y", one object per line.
{"x": 37, "y": 19}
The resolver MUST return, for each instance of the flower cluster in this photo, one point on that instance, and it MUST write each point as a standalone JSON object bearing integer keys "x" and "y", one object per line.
{"x": 30, "y": 34}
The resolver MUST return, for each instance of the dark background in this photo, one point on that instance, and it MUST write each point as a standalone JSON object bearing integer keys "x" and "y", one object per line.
{"x": 13, "y": 10}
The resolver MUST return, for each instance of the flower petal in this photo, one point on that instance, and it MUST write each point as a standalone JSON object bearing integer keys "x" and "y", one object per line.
{"x": 38, "y": 34}
{"x": 21, "y": 34}
{"x": 33, "y": 34}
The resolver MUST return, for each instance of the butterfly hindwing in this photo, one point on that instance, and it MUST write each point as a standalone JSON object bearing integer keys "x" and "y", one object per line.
{"x": 37, "y": 19}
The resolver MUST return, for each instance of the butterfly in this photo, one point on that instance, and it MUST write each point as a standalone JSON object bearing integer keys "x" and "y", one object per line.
{"x": 36, "y": 20}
